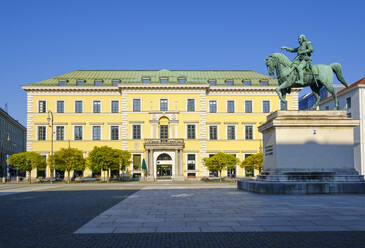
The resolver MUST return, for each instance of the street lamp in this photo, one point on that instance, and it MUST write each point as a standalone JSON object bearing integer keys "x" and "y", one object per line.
{"x": 2, "y": 159}
{"x": 50, "y": 124}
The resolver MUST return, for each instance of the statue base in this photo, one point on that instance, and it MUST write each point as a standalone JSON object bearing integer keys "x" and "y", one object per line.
{"x": 307, "y": 152}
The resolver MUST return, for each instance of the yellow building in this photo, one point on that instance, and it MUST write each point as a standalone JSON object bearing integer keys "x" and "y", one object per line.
{"x": 172, "y": 119}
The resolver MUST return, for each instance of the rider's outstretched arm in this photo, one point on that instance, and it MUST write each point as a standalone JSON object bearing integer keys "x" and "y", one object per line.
{"x": 292, "y": 50}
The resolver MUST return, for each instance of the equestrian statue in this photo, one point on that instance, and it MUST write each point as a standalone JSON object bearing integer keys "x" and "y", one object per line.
{"x": 300, "y": 72}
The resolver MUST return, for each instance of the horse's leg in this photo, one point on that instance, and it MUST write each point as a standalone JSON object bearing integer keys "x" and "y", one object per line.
{"x": 315, "y": 89}
{"x": 284, "y": 105}
{"x": 331, "y": 90}
{"x": 282, "y": 87}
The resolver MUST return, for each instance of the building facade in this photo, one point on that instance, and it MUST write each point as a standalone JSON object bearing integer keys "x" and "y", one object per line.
{"x": 352, "y": 99}
{"x": 171, "y": 119}
{"x": 12, "y": 140}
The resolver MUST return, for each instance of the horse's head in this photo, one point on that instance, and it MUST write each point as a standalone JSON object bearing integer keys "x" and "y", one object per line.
{"x": 270, "y": 65}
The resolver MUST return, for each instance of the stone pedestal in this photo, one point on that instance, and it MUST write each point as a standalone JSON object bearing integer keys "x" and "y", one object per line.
{"x": 307, "y": 152}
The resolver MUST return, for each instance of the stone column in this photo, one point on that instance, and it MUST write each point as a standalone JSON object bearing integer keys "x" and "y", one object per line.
{"x": 179, "y": 174}
{"x": 151, "y": 171}
{"x": 176, "y": 171}
{"x": 181, "y": 163}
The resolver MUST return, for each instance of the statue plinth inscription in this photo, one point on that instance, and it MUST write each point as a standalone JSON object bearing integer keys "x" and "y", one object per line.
{"x": 307, "y": 152}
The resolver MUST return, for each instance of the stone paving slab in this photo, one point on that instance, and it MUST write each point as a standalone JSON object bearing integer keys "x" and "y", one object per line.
{"x": 184, "y": 209}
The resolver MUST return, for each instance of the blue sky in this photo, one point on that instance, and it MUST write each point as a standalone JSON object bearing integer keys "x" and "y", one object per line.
{"x": 42, "y": 39}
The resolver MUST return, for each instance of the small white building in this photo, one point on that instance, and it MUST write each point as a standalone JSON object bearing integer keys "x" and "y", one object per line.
{"x": 352, "y": 99}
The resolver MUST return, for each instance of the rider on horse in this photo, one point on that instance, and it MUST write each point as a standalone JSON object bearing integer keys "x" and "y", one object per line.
{"x": 303, "y": 59}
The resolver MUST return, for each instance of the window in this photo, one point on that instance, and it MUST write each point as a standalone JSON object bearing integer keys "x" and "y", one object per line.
{"x": 231, "y": 172}
{"x": 264, "y": 83}
{"x": 42, "y": 133}
{"x": 266, "y": 106}
{"x": 181, "y": 80}
{"x": 248, "y": 132}
{"x": 163, "y": 105}
{"x": 114, "y": 132}
{"x": 136, "y": 105}
{"x": 60, "y": 106}
{"x": 230, "y": 106}
{"x": 164, "y": 80}
{"x": 249, "y": 171}
{"x": 62, "y": 82}
{"x": 213, "y": 106}
{"x": 146, "y": 80}
{"x": 78, "y": 133}
{"x": 247, "y": 155}
{"x": 191, "y": 131}
{"x": 115, "y": 82}
{"x": 212, "y": 82}
{"x": 213, "y": 132}
{"x": 60, "y": 133}
{"x": 80, "y": 82}
{"x": 231, "y": 132}
{"x": 164, "y": 131}
{"x": 246, "y": 83}
{"x": 191, "y": 161}
{"x": 248, "y": 106}
{"x": 115, "y": 106}
{"x": 137, "y": 161}
{"x": 96, "y": 106}
{"x": 327, "y": 108}
{"x": 191, "y": 105}
{"x": 348, "y": 102}
{"x": 136, "y": 131}
{"x": 98, "y": 82}
{"x": 96, "y": 133}
{"x": 191, "y": 175}
{"x": 42, "y": 106}
{"x": 78, "y": 106}
{"x": 229, "y": 82}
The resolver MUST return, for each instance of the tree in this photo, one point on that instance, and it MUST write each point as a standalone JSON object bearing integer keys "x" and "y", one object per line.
{"x": 68, "y": 159}
{"x": 124, "y": 158}
{"x": 106, "y": 158}
{"x": 51, "y": 163}
{"x": 254, "y": 161}
{"x": 221, "y": 161}
{"x": 28, "y": 161}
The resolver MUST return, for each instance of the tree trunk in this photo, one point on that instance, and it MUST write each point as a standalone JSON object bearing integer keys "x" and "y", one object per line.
{"x": 68, "y": 177}
{"x": 220, "y": 175}
{"x": 107, "y": 176}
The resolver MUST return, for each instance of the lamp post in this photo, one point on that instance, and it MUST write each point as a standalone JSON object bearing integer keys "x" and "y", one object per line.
{"x": 50, "y": 124}
{"x": 3, "y": 161}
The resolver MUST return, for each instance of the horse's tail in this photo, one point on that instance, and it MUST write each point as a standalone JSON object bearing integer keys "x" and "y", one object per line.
{"x": 337, "y": 69}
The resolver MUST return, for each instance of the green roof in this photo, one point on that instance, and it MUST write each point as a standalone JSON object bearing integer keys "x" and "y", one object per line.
{"x": 135, "y": 77}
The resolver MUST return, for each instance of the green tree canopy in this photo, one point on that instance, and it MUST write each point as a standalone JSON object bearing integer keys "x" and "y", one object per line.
{"x": 124, "y": 158}
{"x": 68, "y": 159}
{"x": 254, "y": 161}
{"x": 28, "y": 161}
{"x": 221, "y": 161}
{"x": 106, "y": 158}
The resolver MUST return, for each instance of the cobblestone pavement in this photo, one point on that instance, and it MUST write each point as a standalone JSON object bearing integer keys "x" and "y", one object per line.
{"x": 203, "y": 215}
{"x": 228, "y": 210}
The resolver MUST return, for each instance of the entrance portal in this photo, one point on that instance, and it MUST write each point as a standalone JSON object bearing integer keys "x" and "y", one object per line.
{"x": 164, "y": 171}
{"x": 164, "y": 166}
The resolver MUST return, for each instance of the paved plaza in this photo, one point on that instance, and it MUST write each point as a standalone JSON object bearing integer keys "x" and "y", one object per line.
{"x": 175, "y": 215}
{"x": 227, "y": 209}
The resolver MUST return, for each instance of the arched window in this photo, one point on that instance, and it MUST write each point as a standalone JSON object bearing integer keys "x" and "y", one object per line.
{"x": 164, "y": 156}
